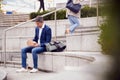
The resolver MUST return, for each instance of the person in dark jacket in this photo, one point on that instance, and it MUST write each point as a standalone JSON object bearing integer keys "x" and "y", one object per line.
{"x": 37, "y": 46}
{"x": 41, "y": 5}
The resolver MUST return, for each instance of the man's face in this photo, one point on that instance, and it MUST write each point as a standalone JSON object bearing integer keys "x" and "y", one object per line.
{"x": 39, "y": 24}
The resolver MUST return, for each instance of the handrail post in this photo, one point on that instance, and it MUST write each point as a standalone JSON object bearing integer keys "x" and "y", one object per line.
{"x": 4, "y": 48}
{"x": 55, "y": 18}
{"x": 97, "y": 13}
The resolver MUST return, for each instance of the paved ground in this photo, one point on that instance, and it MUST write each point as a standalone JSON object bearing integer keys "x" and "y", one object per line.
{"x": 93, "y": 71}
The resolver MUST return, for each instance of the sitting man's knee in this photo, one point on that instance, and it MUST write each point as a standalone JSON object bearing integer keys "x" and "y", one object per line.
{"x": 23, "y": 50}
{"x": 34, "y": 50}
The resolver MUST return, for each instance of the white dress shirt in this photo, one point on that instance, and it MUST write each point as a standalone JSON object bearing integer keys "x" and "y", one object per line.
{"x": 40, "y": 32}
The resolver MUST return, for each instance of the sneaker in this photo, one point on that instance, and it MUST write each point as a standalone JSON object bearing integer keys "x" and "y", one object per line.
{"x": 22, "y": 70}
{"x": 33, "y": 70}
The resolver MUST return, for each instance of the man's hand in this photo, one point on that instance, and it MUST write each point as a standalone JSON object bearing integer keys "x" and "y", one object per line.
{"x": 32, "y": 43}
{"x": 35, "y": 44}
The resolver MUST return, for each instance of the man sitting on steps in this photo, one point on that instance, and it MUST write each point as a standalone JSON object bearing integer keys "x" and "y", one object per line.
{"x": 37, "y": 45}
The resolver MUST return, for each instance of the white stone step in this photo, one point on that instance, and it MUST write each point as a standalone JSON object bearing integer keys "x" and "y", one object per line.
{"x": 16, "y": 58}
{"x": 15, "y": 64}
{"x": 83, "y": 41}
{"x": 56, "y": 61}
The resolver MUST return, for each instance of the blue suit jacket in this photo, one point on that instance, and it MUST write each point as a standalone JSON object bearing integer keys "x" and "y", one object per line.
{"x": 45, "y": 35}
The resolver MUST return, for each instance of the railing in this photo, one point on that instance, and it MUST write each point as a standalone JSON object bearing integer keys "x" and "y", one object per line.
{"x": 5, "y": 31}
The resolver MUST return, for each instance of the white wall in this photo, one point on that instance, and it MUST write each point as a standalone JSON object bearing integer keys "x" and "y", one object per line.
{"x": 83, "y": 42}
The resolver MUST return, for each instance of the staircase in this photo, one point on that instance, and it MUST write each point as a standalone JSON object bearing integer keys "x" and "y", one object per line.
{"x": 14, "y": 58}
{"x": 16, "y": 36}
{"x": 11, "y": 20}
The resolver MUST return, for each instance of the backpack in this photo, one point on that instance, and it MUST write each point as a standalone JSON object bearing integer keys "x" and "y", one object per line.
{"x": 55, "y": 46}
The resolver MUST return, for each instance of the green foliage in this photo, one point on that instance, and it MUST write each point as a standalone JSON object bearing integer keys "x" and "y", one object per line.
{"x": 60, "y": 15}
{"x": 34, "y": 14}
{"x": 0, "y": 6}
{"x": 110, "y": 35}
{"x": 88, "y": 11}
{"x": 85, "y": 12}
{"x": 107, "y": 38}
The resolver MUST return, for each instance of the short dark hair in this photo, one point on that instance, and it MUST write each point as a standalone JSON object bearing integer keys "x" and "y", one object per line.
{"x": 39, "y": 19}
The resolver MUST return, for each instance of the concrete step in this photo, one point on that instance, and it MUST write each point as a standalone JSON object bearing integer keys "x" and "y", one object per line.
{"x": 11, "y": 20}
{"x": 86, "y": 41}
{"x": 15, "y": 64}
{"x": 86, "y": 29}
{"x": 59, "y": 38}
{"x": 79, "y": 31}
{"x": 16, "y": 58}
{"x": 49, "y": 60}
{"x": 21, "y": 40}
{"x": 56, "y": 61}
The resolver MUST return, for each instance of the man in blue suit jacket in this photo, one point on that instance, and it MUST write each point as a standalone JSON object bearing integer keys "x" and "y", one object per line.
{"x": 42, "y": 36}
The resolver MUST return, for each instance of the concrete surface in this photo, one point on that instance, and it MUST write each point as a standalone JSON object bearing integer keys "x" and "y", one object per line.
{"x": 83, "y": 42}
{"x": 94, "y": 71}
{"x": 56, "y": 61}
{"x": 3, "y": 75}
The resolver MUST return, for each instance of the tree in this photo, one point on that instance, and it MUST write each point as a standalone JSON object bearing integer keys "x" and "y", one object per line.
{"x": 1, "y": 5}
{"x": 41, "y": 5}
{"x": 110, "y": 36}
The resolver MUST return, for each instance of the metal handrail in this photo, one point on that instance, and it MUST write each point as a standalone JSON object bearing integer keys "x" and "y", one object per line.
{"x": 23, "y": 23}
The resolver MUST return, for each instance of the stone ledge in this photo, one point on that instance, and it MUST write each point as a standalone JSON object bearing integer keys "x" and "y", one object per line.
{"x": 3, "y": 75}
{"x": 70, "y": 54}
{"x": 56, "y": 61}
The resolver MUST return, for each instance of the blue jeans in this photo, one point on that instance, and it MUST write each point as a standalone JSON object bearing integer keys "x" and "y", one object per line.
{"x": 34, "y": 51}
{"x": 74, "y": 23}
